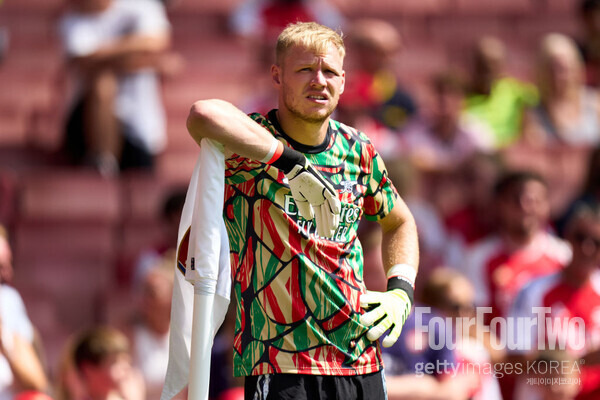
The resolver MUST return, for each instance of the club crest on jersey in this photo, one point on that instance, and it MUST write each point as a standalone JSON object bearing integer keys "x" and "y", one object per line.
{"x": 347, "y": 186}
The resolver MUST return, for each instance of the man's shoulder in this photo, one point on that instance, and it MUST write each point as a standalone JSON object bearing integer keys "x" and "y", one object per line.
{"x": 350, "y": 134}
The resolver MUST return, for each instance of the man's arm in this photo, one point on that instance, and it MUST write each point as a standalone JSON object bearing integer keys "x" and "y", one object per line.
{"x": 400, "y": 244}
{"x": 400, "y": 253}
{"x": 222, "y": 122}
{"x": 128, "y": 53}
{"x": 24, "y": 363}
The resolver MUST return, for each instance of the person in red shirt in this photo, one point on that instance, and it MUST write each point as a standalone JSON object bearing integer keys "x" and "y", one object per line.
{"x": 521, "y": 249}
{"x": 573, "y": 292}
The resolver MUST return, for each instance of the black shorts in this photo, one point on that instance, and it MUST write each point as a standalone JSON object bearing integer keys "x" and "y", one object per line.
{"x": 315, "y": 387}
{"x": 133, "y": 156}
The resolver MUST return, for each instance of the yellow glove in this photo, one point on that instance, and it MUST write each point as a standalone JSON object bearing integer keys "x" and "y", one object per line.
{"x": 391, "y": 309}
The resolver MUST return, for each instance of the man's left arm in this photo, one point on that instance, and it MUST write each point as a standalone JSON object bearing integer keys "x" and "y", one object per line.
{"x": 400, "y": 255}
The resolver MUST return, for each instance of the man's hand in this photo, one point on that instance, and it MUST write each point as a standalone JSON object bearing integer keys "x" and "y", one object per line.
{"x": 391, "y": 309}
{"x": 315, "y": 198}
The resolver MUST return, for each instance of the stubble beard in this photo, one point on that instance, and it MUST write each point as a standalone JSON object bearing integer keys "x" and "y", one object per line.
{"x": 312, "y": 118}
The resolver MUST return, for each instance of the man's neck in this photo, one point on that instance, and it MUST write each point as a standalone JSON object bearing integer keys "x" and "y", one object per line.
{"x": 574, "y": 279}
{"x": 518, "y": 240}
{"x": 305, "y": 132}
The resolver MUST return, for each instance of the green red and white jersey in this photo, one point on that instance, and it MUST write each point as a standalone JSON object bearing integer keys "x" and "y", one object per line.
{"x": 298, "y": 294}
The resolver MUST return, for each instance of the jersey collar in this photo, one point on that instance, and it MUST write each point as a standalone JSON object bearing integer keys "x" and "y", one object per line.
{"x": 303, "y": 148}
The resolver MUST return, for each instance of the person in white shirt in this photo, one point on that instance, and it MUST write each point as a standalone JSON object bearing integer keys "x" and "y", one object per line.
{"x": 117, "y": 48}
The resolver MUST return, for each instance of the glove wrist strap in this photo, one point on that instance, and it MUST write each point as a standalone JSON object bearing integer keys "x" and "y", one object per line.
{"x": 288, "y": 159}
{"x": 402, "y": 276}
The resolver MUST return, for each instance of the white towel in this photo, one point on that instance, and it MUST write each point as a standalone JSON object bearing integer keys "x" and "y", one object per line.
{"x": 206, "y": 264}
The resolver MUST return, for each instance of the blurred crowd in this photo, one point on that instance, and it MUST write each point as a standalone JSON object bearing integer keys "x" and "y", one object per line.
{"x": 502, "y": 175}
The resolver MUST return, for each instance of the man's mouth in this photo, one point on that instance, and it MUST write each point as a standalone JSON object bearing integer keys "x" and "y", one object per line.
{"x": 317, "y": 97}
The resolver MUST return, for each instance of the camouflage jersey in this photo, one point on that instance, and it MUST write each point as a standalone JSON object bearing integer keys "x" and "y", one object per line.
{"x": 298, "y": 294}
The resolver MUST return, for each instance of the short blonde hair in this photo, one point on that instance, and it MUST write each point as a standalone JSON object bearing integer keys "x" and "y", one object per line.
{"x": 553, "y": 46}
{"x": 310, "y": 35}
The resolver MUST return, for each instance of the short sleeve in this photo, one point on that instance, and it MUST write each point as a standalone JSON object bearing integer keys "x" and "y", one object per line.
{"x": 13, "y": 313}
{"x": 240, "y": 169}
{"x": 152, "y": 18}
{"x": 381, "y": 194}
{"x": 78, "y": 39}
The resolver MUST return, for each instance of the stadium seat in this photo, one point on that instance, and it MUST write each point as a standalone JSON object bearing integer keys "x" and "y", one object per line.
{"x": 69, "y": 195}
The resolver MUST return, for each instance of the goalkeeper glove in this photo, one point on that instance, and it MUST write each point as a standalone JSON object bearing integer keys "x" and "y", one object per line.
{"x": 313, "y": 195}
{"x": 389, "y": 310}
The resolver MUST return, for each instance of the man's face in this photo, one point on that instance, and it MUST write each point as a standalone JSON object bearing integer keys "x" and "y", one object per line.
{"x": 309, "y": 84}
{"x": 524, "y": 208}
{"x": 111, "y": 372}
{"x": 584, "y": 237}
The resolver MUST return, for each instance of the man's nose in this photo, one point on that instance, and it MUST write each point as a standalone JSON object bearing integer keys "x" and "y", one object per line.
{"x": 318, "y": 78}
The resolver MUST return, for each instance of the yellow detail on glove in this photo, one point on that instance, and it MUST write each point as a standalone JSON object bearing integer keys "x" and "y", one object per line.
{"x": 391, "y": 307}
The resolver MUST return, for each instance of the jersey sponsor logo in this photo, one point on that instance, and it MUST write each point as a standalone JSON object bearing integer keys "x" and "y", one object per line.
{"x": 348, "y": 217}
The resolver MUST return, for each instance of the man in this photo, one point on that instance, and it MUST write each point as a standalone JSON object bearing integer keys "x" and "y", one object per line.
{"x": 521, "y": 249}
{"x": 116, "y": 49}
{"x": 102, "y": 358}
{"x": 573, "y": 292}
{"x": 297, "y": 184}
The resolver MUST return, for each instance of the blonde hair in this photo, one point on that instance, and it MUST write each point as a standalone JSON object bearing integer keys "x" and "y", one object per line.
{"x": 310, "y": 35}
{"x": 556, "y": 45}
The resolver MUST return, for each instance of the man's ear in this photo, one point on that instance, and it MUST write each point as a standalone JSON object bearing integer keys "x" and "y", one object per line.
{"x": 343, "y": 86}
{"x": 276, "y": 75}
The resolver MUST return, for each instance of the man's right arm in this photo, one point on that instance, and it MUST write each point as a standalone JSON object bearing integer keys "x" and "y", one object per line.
{"x": 222, "y": 122}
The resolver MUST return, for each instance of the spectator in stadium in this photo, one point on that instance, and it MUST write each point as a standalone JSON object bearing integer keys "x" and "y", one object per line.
{"x": 102, "y": 359}
{"x": 439, "y": 140}
{"x": 149, "y": 330}
{"x": 165, "y": 247}
{"x": 20, "y": 365}
{"x": 572, "y": 292}
{"x": 374, "y": 99}
{"x": 589, "y": 43}
{"x": 116, "y": 49}
{"x": 453, "y": 295}
{"x": 520, "y": 249}
{"x": 590, "y": 192}
{"x": 472, "y": 220}
{"x": 568, "y": 113}
{"x": 494, "y": 98}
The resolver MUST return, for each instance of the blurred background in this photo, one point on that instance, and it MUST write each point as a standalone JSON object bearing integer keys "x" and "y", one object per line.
{"x": 83, "y": 237}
